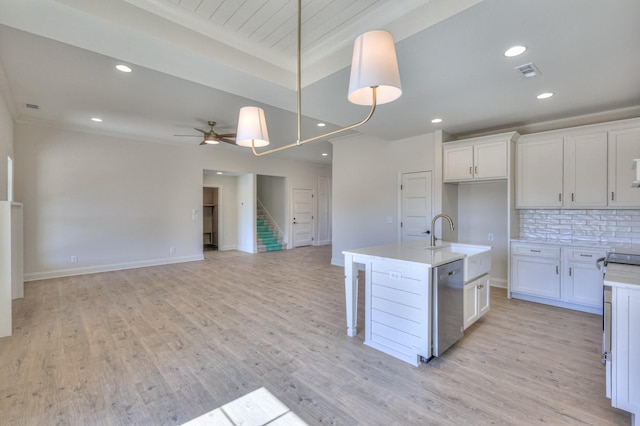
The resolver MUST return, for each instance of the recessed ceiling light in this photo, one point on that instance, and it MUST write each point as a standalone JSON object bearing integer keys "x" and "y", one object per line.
{"x": 96, "y": 119}
{"x": 218, "y": 173}
{"x": 123, "y": 68}
{"x": 514, "y": 51}
{"x": 320, "y": 124}
{"x": 436, "y": 120}
{"x": 324, "y": 154}
{"x": 545, "y": 95}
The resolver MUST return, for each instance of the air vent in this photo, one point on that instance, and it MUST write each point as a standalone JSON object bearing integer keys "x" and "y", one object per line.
{"x": 529, "y": 70}
{"x": 32, "y": 106}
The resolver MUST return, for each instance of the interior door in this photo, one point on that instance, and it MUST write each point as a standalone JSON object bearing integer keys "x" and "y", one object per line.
{"x": 302, "y": 228}
{"x": 416, "y": 206}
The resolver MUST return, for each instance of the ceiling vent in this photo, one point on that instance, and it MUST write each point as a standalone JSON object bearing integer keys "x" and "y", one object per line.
{"x": 33, "y": 106}
{"x": 528, "y": 70}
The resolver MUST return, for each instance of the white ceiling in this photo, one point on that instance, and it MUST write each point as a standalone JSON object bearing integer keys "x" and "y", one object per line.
{"x": 199, "y": 60}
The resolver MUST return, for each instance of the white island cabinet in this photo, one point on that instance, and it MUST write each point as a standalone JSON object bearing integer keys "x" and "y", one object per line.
{"x": 398, "y": 295}
{"x": 623, "y": 365}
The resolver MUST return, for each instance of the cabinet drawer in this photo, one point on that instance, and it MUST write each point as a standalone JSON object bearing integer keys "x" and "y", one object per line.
{"x": 535, "y": 250}
{"x": 585, "y": 255}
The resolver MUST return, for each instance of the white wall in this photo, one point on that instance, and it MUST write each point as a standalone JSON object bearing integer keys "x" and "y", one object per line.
{"x": 366, "y": 188}
{"x": 482, "y": 210}
{"x": 227, "y": 209}
{"x": 6, "y": 145}
{"x": 118, "y": 203}
{"x": 247, "y": 213}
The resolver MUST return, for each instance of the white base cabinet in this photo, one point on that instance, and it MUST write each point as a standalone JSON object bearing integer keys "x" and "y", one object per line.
{"x": 561, "y": 276}
{"x": 625, "y": 350}
{"x": 476, "y": 299}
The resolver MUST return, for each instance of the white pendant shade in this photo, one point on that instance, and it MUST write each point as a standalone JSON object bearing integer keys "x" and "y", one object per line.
{"x": 252, "y": 126}
{"x": 374, "y": 63}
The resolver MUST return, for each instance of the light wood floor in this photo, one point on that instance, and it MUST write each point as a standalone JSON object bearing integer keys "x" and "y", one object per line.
{"x": 163, "y": 345}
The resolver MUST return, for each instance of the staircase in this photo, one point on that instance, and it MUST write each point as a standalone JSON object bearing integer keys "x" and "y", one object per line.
{"x": 268, "y": 239}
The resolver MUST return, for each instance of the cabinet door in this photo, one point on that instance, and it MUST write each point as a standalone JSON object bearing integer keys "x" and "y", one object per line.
{"x": 535, "y": 276}
{"x": 458, "y": 163}
{"x": 624, "y": 146}
{"x": 584, "y": 284}
{"x": 483, "y": 296}
{"x": 539, "y": 174}
{"x": 585, "y": 170}
{"x": 470, "y": 303}
{"x": 490, "y": 160}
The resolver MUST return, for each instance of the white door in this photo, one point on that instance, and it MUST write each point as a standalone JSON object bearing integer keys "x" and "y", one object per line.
{"x": 416, "y": 206}
{"x": 302, "y": 229}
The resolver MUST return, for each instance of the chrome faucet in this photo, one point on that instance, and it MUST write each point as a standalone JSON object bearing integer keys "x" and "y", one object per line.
{"x": 433, "y": 225}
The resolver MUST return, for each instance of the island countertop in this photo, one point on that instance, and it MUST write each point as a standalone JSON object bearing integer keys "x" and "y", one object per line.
{"x": 412, "y": 251}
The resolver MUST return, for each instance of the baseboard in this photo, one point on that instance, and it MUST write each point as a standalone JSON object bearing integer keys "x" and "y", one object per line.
{"x": 36, "y": 276}
{"x": 498, "y": 282}
{"x": 338, "y": 261}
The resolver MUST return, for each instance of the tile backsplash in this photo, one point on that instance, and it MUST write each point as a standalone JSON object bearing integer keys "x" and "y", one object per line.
{"x": 607, "y": 226}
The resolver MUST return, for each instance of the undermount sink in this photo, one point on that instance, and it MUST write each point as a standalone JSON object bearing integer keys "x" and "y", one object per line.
{"x": 477, "y": 261}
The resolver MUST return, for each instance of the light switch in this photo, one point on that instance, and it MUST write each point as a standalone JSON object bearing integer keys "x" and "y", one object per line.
{"x": 389, "y": 219}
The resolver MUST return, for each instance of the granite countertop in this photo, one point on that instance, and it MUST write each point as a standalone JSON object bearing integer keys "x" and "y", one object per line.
{"x": 606, "y": 245}
{"x": 623, "y": 276}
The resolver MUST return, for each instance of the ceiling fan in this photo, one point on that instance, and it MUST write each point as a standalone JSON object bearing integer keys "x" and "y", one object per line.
{"x": 213, "y": 138}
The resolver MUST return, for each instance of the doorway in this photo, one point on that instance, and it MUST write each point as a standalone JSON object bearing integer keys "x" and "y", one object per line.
{"x": 210, "y": 209}
{"x": 416, "y": 193}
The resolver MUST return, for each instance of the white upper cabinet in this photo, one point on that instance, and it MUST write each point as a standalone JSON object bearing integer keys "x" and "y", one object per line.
{"x": 458, "y": 162}
{"x": 539, "y": 168}
{"x": 624, "y": 146}
{"x": 585, "y": 170}
{"x": 579, "y": 168}
{"x": 490, "y": 160}
{"x": 484, "y": 158}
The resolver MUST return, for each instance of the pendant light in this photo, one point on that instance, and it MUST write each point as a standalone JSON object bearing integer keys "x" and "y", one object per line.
{"x": 374, "y": 80}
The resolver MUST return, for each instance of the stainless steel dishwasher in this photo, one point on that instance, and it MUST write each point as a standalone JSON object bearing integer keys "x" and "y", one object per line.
{"x": 448, "y": 315}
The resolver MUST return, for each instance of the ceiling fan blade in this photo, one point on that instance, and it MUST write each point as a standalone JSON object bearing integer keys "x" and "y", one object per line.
{"x": 227, "y": 135}
{"x": 203, "y": 143}
{"x": 191, "y": 136}
{"x": 229, "y": 141}
{"x": 200, "y": 130}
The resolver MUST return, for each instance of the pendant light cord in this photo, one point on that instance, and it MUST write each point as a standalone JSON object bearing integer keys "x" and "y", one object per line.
{"x": 299, "y": 141}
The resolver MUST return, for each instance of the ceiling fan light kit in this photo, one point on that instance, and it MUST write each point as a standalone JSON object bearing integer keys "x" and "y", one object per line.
{"x": 374, "y": 79}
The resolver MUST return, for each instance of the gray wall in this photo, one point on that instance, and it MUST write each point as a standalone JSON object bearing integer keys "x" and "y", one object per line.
{"x": 6, "y": 145}
{"x": 119, "y": 203}
{"x": 366, "y": 184}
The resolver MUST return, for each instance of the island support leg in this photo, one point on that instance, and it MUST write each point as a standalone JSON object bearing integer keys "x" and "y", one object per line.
{"x": 351, "y": 294}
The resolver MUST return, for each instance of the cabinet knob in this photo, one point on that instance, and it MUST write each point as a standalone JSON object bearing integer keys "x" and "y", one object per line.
{"x": 557, "y": 272}
{"x": 470, "y": 170}
{"x": 570, "y": 271}
{"x": 480, "y": 286}
{"x": 612, "y": 196}
{"x": 476, "y": 169}
{"x": 560, "y": 197}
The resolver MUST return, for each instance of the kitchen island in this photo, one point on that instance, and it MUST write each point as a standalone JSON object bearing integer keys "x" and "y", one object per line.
{"x": 398, "y": 292}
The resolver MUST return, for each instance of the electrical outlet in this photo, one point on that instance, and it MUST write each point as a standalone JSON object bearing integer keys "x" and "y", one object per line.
{"x": 74, "y": 259}
{"x": 490, "y": 237}
{"x": 396, "y": 276}
{"x": 172, "y": 250}
{"x": 389, "y": 219}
